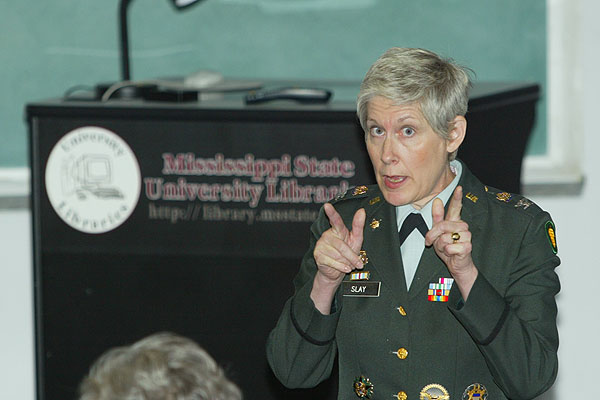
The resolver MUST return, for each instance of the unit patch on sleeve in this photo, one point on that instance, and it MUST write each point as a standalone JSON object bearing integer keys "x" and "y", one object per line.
{"x": 551, "y": 233}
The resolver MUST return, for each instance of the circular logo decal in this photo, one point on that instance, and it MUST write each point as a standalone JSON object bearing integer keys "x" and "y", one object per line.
{"x": 93, "y": 179}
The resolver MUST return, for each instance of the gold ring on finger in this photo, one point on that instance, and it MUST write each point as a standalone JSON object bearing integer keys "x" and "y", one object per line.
{"x": 455, "y": 237}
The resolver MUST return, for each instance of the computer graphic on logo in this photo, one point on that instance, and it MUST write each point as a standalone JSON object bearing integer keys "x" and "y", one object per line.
{"x": 93, "y": 179}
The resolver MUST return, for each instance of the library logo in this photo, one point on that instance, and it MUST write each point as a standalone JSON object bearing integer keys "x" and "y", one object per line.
{"x": 93, "y": 179}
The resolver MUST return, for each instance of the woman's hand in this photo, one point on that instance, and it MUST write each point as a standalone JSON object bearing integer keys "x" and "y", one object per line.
{"x": 336, "y": 254}
{"x": 451, "y": 239}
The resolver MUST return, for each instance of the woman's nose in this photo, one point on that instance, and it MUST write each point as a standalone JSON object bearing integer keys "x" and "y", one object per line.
{"x": 388, "y": 155}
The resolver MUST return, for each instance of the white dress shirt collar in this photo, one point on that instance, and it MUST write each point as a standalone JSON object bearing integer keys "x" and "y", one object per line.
{"x": 403, "y": 211}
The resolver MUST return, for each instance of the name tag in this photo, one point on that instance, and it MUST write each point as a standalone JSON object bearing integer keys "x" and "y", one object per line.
{"x": 360, "y": 289}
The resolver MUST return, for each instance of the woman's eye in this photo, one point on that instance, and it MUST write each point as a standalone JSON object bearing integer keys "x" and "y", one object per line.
{"x": 408, "y": 131}
{"x": 377, "y": 131}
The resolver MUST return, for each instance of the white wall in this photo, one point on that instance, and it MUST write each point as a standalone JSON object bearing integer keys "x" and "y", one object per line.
{"x": 577, "y": 222}
{"x": 16, "y": 307}
{"x": 575, "y": 216}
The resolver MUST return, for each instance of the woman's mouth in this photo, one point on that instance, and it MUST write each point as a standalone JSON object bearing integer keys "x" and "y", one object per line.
{"x": 394, "y": 181}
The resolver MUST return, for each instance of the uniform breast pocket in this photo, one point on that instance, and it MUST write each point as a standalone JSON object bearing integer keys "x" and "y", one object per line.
{"x": 364, "y": 307}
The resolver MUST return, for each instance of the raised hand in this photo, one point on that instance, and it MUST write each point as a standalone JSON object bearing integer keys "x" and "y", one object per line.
{"x": 451, "y": 240}
{"x": 336, "y": 254}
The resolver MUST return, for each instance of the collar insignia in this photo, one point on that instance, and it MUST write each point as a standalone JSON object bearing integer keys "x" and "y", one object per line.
{"x": 375, "y": 223}
{"x": 472, "y": 197}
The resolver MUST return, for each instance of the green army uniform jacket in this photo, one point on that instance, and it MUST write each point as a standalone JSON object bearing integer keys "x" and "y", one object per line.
{"x": 401, "y": 344}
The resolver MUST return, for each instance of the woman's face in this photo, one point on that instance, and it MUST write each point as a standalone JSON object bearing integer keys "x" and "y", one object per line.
{"x": 410, "y": 160}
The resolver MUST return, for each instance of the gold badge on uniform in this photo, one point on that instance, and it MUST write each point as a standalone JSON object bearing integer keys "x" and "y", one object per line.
{"x": 523, "y": 203}
{"x": 363, "y": 387}
{"x": 374, "y": 200}
{"x": 340, "y": 195}
{"x": 375, "y": 223}
{"x": 363, "y": 257}
{"x": 360, "y": 190}
{"x": 475, "y": 391}
{"x": 504, "y": 196}
{"x": 551, "y": 233}
{"x": 472, "y": 197}
{"x": 434, "y": 391}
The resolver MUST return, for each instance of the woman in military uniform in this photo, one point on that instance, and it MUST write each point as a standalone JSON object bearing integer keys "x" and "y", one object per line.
{"x": 429, "y": 285}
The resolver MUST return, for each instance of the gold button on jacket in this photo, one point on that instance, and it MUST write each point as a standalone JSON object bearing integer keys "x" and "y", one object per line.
{"x": 402, "y": 353}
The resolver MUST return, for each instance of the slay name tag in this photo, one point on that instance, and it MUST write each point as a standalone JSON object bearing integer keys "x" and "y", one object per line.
{"x": 361, "y": 288}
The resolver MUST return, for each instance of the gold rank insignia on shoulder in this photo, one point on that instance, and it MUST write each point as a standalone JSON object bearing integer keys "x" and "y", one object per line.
{"x": 360, "y": 276}
{"x": 472, "y": 197}
{"x": 434, "y": 391}
{"x": 551, "y": 233}
{"x": 504, "y": 196}
{"x": 363, "y": 257}
{"x": 475, "y": 391}
{"x": 523, "y": 203}
{"x": 363, "y": 387}
{"x": 340, "y": 195}
{"x": 374, "y": 200}
{"x": 360, "y": 190}
{"x": 375, "y": 223}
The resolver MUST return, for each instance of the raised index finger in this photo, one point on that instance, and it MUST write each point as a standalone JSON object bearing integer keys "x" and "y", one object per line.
{"x": 336, "y": 221}
{"x": 455, "y": 205}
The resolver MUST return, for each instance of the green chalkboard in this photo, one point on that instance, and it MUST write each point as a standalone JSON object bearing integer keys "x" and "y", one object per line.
{"x": 48, "y": 47}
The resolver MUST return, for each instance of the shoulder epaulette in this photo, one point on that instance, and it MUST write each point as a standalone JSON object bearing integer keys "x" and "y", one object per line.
{"x": 515, "y": 200}
{"x": 355, "y": 192}
{"x": 528, "y": 207}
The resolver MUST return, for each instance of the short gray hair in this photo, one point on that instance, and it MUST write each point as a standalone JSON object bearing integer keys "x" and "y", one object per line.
{"x": 404, "y": 75}
{"x": 163, "y": 366}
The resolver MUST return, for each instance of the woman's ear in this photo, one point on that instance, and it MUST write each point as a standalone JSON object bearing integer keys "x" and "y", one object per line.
{"x": 457, "y": 133}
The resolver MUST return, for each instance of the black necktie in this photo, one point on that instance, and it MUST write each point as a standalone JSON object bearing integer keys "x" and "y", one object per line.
{"x": 412, "y": 221}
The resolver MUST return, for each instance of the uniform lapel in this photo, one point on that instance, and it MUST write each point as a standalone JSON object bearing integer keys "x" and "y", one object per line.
{"x": 474, "y": 210}
{"x": 382, "y": 245}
